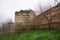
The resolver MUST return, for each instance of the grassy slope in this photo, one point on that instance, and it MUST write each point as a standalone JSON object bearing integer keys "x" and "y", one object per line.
{"x": 34, "y": 35}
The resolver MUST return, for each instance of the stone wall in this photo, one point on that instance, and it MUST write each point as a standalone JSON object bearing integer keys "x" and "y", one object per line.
{"x": 50, "y": 17}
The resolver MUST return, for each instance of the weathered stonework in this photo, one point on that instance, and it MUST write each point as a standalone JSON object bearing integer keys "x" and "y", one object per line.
{"x": 49, "y": 19}
{"x": 24, "y": 16}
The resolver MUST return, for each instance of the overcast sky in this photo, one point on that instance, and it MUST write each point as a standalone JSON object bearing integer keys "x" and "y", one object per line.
{"x": 8, "y": 7}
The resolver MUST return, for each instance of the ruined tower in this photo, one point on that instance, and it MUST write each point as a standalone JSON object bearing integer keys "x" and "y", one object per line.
{"x": 24, "y": 16}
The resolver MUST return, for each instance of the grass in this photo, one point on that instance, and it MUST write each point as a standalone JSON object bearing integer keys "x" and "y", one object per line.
{"x": 34, "y": 35}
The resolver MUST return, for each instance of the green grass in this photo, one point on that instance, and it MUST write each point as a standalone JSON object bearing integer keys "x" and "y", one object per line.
{"x": 34, "y": 35}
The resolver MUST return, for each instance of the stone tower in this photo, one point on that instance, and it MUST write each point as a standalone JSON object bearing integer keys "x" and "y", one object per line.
{"x": 24, "y": 17}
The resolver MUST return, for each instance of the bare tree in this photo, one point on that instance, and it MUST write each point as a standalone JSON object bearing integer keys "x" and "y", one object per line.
{"x": 48, "y": 19}
{"x": 50, "y": 12}
{"x": 56, "y": 1}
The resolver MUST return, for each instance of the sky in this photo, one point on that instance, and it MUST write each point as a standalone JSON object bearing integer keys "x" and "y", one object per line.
{"x": 8, "y": 7}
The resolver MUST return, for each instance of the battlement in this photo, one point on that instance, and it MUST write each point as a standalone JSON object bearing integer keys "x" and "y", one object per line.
{"x": 23, "y": 12}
